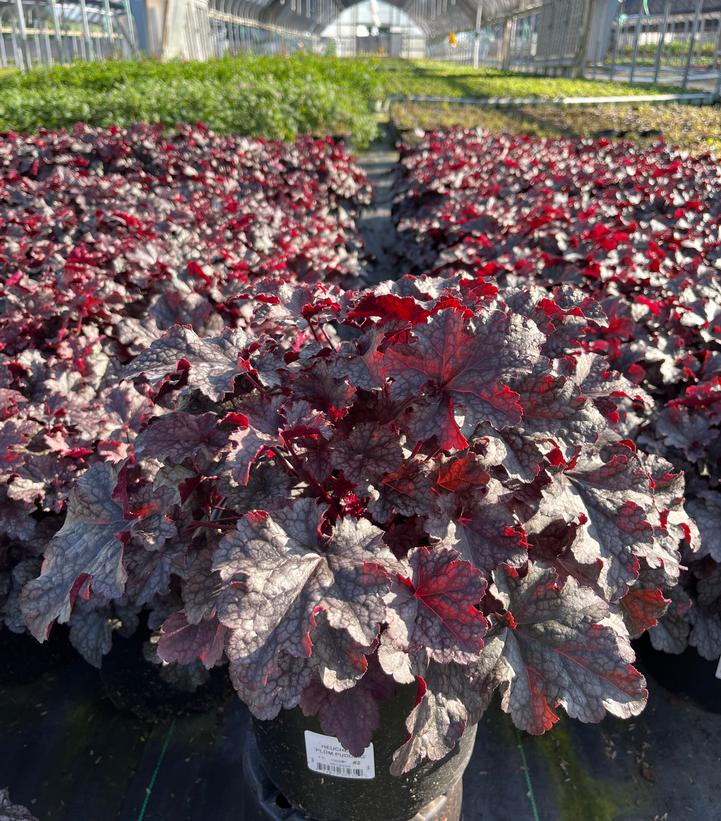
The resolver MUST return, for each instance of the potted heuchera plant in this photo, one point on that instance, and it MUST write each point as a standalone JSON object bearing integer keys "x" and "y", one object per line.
{"x": 360, "y": 496}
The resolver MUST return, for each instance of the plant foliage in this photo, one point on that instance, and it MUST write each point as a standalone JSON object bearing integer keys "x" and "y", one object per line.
{"x": 638, "y": 231}
{"x": 107, "y": 239}
{"x": 261, "y": 95}
{"x": 444, "y": 481}
{"x": 419, "y": 483}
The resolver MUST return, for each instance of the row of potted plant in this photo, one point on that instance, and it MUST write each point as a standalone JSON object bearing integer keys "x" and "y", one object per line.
{"x": 380, "y": 506}
{"x": 635, "y": 229}
{"x": 108, "y": 237}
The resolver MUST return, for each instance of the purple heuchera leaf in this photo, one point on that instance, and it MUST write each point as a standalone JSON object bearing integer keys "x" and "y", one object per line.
{"x": 706, "y": 511}
{"x": 91, "y": 631}
{"x": 260, "y": 431}
{"x": 185, "y": 643}
{"x": 86, "y": 553}
{"x": 556, "y": 651}
{"x": 446, "y": 705}
{"x": 338, "y": 660}
{"x": 434, "y": 606}
{"x": 608, "y": 493}
{"x": 671, "y": 634}
{"x": 213, "y": 362}
{"x": 642, "y": 608}
{"x": 366, "y": 453}
{"x": 268, "y": 681}
{"x": 246, "y": 445}
{"x": 484, "y": 530}
{"x": 468, "y": 372}
{"x": 706, "y": 615}
{"x": 178, "y": 436}
{"x": 279, "y": 576}
{"x": 352, "y": 716}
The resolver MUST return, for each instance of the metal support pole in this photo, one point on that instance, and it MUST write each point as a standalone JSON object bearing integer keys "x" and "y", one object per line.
{"x": 17, "y": 53}
{"x": 191, "y": 32}
{"x": 86, "y": 30}
{"x": 237, "y": 30}
{"x": 22, "y": 30}
{"x": 506, "y": 44}
{"x": 635, "y": 48}
{"x": 661, "y": 40}
{"x": 699, "y": 38}
{"x": 477, "y": 35}
{"x": 108, "y": 26}
{"x": 224, "y": 33}
{"x": 132, "y": 34}
{"x": 46, "y": 40}
{"x": 57, "y": 31}
{"x": 580, "y": 61}
{"x": 615, "y": 34}
{"x": 227, "y": 46}
{"x": 3, "y": 53}
{"x": 36, "y": 39}
{"x": 692, "y": 41}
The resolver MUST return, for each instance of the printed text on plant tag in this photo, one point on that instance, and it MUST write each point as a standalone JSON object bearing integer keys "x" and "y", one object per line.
{"x": 326, "y": 755}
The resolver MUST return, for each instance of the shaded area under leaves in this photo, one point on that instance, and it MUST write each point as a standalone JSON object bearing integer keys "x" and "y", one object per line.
{"x": 69, "y": 754}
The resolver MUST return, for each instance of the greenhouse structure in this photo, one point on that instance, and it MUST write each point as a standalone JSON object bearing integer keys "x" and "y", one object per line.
{"x": 675, "y": 41}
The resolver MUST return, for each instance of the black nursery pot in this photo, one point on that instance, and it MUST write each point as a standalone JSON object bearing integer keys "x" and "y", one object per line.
{"x": 431, "y": 791}
{"x": 687, "y": 674}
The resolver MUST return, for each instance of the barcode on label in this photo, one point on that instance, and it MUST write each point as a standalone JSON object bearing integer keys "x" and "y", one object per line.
{"x": 337, "y": 769}
{"x": 327, "y": 756}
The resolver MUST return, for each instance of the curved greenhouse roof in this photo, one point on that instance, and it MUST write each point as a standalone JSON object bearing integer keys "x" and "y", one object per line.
{"x": 434, "y": 17}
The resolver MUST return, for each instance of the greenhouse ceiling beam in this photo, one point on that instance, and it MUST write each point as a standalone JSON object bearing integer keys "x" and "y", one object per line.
{"x": 238, "y": 12}
{"x": 400, "y": 4}
{"x": 337, "y": 6}
{"x": 235, "y": 19}
{"x": 459, "y": 17}
{"x": 276, "y": 9}
{"x": 468, "y": 18}
{"x": 44, "y": 6}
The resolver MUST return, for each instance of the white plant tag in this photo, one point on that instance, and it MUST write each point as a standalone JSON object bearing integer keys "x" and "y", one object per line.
{"x": 325, "y": 755}
{"x": 718, "y": 669}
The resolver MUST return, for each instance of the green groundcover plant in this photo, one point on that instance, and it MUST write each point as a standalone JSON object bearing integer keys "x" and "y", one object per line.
{"x": 274, "y": 97}
{"x": 271, "y": 96}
